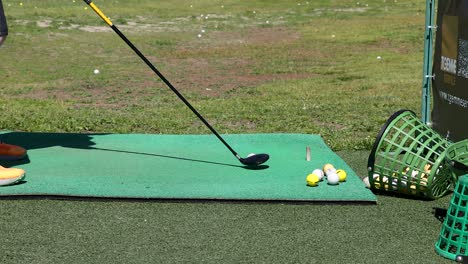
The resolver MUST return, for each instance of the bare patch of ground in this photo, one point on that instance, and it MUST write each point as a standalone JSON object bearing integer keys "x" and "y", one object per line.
{"x": 206, "y": 76}
{"x": 274, "y": 35}
{"x": 44, "y": 23}
{"x": 215, "y": 79}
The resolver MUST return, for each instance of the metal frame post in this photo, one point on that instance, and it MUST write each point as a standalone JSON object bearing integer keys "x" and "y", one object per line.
{"x": 427, "y": 65}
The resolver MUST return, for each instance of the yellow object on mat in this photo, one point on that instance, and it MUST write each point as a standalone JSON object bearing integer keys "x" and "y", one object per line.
{"x": 10, "y": 176}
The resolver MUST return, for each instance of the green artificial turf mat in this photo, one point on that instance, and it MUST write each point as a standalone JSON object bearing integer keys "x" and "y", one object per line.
{"x": 177, "y": 167}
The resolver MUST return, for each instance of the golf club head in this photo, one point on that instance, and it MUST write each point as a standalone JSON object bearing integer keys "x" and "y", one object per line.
{"x": 255, "y": 160}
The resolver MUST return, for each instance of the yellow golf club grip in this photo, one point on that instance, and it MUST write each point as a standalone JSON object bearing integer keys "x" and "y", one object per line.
{"x": 99, "y": 12}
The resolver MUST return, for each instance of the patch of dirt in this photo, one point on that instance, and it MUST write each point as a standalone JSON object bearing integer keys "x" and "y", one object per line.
{"x": 273, "y": 35}
{"x": 44, "y": 23}
{"x": 351, "y": 10}
{"x": 217, "y": 78}
{"x": 95, "y": 28}
{"x": 213, "y": 78}
{"x": 206, "y": 76}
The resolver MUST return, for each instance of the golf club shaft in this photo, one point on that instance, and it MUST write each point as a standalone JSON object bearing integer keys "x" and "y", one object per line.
{"x": 155, "y": 70}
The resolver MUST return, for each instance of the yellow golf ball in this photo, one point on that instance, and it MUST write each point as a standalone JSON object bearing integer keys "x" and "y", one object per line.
{"x": 312, "y": 179}
{"x": 341, "y": 175}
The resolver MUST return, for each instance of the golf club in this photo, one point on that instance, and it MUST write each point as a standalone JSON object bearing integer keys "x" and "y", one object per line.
{"x": 251, "y": 160}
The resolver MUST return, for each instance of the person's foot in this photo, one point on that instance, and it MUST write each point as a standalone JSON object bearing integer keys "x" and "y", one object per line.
{"x": 9, "y": 176}
{"x": 11, "y": 152}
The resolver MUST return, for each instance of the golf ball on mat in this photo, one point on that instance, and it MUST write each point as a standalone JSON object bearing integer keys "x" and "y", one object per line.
{"x": 330, "y": 171}
{"x": 96, "y": 71}
{"x": 327, "y": 167}
{"x": 333, "y": 179}
{"x": 319, "y": 173}
{"x": 341, "y": 175}
{"x": 312, "y": 179}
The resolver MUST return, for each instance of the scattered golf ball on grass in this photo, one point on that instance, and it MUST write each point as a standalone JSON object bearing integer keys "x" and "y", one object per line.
{"x": 96, "y": 71}
{"x": 366, "y": 182}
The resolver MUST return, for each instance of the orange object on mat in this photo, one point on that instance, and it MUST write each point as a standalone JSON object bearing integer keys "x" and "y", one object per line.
{"x": 11, "y": 152}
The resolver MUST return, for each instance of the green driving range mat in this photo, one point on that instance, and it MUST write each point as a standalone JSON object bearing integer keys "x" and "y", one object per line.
{"x": 177, "y": 167}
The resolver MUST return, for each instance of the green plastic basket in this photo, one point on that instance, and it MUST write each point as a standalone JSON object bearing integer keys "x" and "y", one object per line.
{"x": 453, "y": 238}
{"x": 408, "y": 157}
{"x": 457, "y": 157}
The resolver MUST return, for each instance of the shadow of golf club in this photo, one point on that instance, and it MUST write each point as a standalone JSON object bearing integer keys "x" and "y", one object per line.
{"x": 38, "y": 140}
{"x": 261, "y": 167}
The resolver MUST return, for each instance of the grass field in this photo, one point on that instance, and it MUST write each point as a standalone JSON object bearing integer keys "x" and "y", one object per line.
{"x": 328, "y": 67}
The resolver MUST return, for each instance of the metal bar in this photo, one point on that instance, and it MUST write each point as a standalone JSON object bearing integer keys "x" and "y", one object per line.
{"x": 427, "y": 64}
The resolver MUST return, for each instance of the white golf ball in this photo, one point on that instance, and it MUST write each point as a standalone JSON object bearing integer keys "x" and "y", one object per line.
{"x": 96, "y": 71}
{"x": 379, "y": 58}
{"x": 333, "y": 178}
{"x": 366, "y": 182}
{"x": 199, "y": 35}
{"x": 330, "y": 171}
{"x": 319, "y": 173}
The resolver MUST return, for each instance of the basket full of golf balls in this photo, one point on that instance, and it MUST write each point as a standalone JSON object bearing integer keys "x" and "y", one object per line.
{"x": 408, "y": 157}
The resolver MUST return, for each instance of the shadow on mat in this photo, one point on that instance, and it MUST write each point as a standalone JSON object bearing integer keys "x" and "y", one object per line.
{"x": 261, "y": 167}
{"x": 43, "y": 140}
{"x": 81, "y": 141}
{"x": 29, "y": 140}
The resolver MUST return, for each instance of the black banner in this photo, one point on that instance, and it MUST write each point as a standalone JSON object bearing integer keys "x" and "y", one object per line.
{"x": 450, "y": 84}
